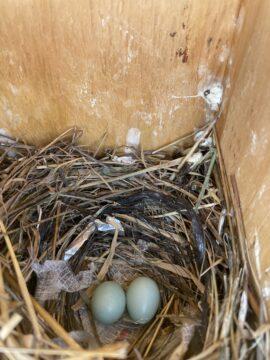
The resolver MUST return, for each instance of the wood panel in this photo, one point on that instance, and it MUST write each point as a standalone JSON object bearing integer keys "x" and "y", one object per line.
{"x": 245, "y": 134}
{"x": 110, "y": 66}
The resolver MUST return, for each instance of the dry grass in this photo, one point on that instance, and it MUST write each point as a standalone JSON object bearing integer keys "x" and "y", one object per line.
{"x": 178, "y": 229}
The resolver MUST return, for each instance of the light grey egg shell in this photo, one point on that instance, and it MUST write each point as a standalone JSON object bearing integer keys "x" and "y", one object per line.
{"x": 108, "y": 302}
{"x": 143, "y": 299}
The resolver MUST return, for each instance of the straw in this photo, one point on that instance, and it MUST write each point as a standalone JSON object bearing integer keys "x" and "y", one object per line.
{"x": 161, "y": 216}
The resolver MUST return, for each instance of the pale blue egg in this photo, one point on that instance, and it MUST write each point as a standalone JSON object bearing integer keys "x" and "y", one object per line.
{"x": 108, "y": 302}
{"x": 143, "y": 299}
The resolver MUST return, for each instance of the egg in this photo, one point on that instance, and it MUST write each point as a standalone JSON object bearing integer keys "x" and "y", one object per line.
{"x": 108, "y": 302}
{"x": 143, "y": 299}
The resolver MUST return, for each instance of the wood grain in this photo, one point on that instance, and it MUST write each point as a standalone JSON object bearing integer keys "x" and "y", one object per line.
{"x": 245, "y": 134}
{"x": 108, "y": 66}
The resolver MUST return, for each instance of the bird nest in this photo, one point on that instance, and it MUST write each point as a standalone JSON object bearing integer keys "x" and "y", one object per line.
{"x": 71, "y": 218}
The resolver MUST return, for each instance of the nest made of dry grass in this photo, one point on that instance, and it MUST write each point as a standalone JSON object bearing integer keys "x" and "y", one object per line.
{"x": 178, "y": 229}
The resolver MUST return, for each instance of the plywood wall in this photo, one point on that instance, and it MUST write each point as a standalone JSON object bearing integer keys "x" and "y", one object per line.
{"x": 245, "y": 134}
{"x": 111, "y": 66}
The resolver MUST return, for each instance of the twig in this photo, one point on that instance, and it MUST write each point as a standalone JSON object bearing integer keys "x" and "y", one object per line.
{"x": 114, "y": 351}
{"x": 21, "y": 283}
{"x": 206, "y": 180}
{"x": 158, "y": 327}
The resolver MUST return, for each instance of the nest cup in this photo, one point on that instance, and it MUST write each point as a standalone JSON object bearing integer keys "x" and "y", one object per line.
{"x": 71, "y": 219}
